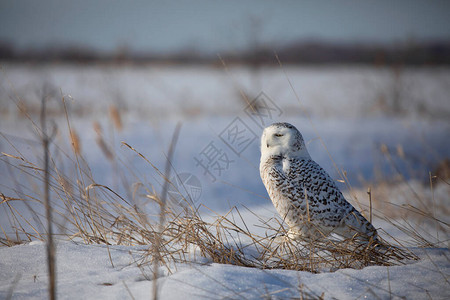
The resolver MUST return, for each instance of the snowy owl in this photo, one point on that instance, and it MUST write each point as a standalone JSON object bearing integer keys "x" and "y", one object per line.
{"x": 302, "y": 192}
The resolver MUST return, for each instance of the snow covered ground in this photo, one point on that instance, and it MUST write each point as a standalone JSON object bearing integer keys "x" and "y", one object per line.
{"x": 88, "y": 272}
{"x": 373, "y": 123}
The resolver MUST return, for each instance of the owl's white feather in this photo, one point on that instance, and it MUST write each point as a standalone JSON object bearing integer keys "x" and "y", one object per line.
{"x": 302, "y": 192}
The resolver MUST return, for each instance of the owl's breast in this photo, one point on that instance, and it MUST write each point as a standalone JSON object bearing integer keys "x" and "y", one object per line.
{"x": 273, "y": 174}
{"x": 271, "y": 170}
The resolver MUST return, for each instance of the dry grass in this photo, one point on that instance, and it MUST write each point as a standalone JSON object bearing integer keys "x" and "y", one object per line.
{"x": 416, "y": 204}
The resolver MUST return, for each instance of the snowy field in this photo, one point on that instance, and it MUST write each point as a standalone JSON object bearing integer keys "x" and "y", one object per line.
{"x": 382, "y": 128}
{"x": 86, "y": 272}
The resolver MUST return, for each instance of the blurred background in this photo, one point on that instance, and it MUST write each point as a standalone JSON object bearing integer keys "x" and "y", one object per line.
{"x": 413, "y": 32}
{"x": 366, "y": 82}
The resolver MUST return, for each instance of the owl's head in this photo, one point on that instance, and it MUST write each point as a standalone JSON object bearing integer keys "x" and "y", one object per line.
{"x": 283, "y": 139}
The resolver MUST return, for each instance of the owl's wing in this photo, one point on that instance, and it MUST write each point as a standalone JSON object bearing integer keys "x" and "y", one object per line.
{"x": 326, "y": 204}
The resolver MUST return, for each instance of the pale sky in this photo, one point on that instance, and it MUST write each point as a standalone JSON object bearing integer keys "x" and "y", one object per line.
{"x": 210, "y": 25}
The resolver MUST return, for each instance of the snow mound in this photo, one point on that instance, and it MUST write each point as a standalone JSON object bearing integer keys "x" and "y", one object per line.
{"x": 101, "y": 272}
